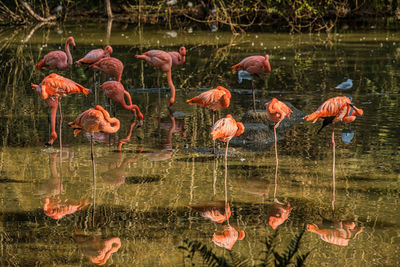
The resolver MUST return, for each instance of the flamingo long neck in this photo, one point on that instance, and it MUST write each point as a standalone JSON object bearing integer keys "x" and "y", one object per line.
{"x": 267, "y": 65}
{"x": 69, "y": 56}
{"x": 182, "y": 58}
{"x": 115, "y": 121}
{"x": 171, "y": 85}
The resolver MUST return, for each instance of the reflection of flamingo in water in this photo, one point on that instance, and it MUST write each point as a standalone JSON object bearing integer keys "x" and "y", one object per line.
{"x": 97, "y": 249}
{"x": 338, "y": 233}
{"x": 116, "y": 176}
{"x": 276, "y": 112}
{"x": 334, "y": 110}
{"x": 277, "y": 214}
{"x": 57, "y": 208}
{"x": 227, "y": 236}
{"x": 216, "y": 211}
{"x": 172, "y": 126}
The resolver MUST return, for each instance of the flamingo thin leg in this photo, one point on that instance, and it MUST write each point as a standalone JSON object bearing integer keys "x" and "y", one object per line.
{"x": 226, "y": 182}
{"x": 213, "y": 120}
{"x": 60, "y": 123}
{"x": 333, "y": 168}
{"x": 95, "y": 87}
{"x": 254, "y": 96}
{"x": 277, "y": 161}
{"x": 94, "y": 176}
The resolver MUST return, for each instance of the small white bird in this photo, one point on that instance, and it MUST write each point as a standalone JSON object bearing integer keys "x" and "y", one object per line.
{"x": 244, "y": 75}
{"x": 345, "y": 85}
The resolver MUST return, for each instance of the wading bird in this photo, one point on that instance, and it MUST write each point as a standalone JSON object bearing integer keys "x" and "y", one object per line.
{"x": 213, "y": 99}
{"x": 254, "y": 65}
{"x": 163, "y": 61}
{"x": 59, "y": 60}
{"x": 116, "y": 91}
{"x": 276, "y": 112}
{"x": 95, "y": 55}
{"x": 178, "y": 58}
{"x": 110, "y": 66}
{"x": 225, "y": 129}
{"x": 334, "y": 110}
{"x": 92, "y": 57}
{"x": 93, "y": 121}
{"x": 52, "y": 88}
{"x": 227, "y": 236}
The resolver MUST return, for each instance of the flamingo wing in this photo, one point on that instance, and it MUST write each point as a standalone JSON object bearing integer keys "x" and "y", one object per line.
{"x": 224, "y": 129}
{"x": 57, "y": 85}
{"x": 54, "y": 58}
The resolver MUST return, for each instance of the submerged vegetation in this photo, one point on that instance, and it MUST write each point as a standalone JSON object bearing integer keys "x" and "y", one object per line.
{"x": 295, "y": 15}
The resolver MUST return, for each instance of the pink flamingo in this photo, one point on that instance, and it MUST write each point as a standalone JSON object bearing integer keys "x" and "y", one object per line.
{"x": 163, "y": 61}
{"x": 92, "y": 57}
{"x": 276, "y": 112}
{"x": 334, "y": 110}
{"x": 95, "y": 55}
{"x": 178, "y": 58}
{"x": 213, "y": 99}
{"x": 225, "y": 129}
{"x": 52, "y": 89}
{"x": 254, "y": 65}
{"x": 110, "y": 66}
{"x": 59, "y": 60}
{"x": 115, "y": 91}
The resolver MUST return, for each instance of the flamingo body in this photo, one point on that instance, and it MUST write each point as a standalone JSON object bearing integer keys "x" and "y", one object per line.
{"x": 277, "y": 110}
{"x": 95, "y": 120}
{"x": 178, "y": 58}
{"x": 116, "y": 91}
{"x": 163, "y": 61}
{"x": 226, "y": 128}
{"x": 55, "y": 85}
{"x": 340, "y": 108}
{"x": 254, "y": 64}
{"x": 59, "y": 60}
{"x": 213, "y": 99}
{"x": 110, "y": 66}
{"x": 214, "y": 210}
{"x": 95, "y": 55}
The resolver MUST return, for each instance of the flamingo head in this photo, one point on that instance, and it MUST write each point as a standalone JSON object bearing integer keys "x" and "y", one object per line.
{"x": 240, "y": 129}
{"x": 266, "y": 64}
{"x": 182, "y": 51}
{"x": 71, "y": 40}
{"x": 108, "y": 50}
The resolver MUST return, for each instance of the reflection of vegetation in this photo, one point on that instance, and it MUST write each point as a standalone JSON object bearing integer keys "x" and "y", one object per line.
{"x": 290, "y": 256}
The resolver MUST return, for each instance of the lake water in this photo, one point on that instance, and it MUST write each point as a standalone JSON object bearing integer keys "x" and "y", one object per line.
{"x": 136, "y": 211}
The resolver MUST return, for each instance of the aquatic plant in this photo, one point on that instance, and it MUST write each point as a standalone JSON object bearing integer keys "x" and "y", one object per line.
{"x": 272, "y": 257}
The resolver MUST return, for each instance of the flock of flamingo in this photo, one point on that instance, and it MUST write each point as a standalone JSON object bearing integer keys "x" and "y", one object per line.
{"x": 53, "y": 87}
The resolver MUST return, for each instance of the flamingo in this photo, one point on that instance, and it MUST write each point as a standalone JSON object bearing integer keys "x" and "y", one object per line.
{"x": 92, "y": 57}
{"x": 52, "y": 88}
{"x": 93, "y": 121}
{"x": 110, "y": 66}
{"x": 115, "y": 91}
{"x": 254, "y": 65}
{"x": 225, "y": 129}
{"x": 213, "y": 99}
{"x": 334, "y": 110}
{"x": 178, "y": 58}
{"x": 95, "y": 55}
{"x": 276, "y": 112}
{"x": 163, "y": 61}
{"x": 59, "y": 60}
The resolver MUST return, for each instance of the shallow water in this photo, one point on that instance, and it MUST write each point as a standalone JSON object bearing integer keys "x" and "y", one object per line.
{"x": 141, "y": 194}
